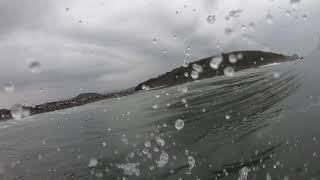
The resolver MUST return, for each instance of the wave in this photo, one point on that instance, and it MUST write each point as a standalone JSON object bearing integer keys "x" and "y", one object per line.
{"x": 224, "y": 120}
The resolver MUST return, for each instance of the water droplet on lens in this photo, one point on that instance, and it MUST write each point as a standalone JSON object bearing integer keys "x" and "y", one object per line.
{"x": 9, "y": 87}
{"x": 144, "y": 87}
{"x": 155, "y": 41}
{"x": 34, "y": 66}
{"x": 104, "y": 144}
{"x": 147, "y": 144}
{"x": 183, "y": 100}
{"x": 276, "y": 75}
{"x": 155, "y": 106}
{"x": 58, "y": 149}
{"x": 39, "y": 156}
{"x": 235, "y": 13}
{"x": 186, "y": 74}
{"x": 269, "y": 18}
{"x": 288, "y": 13}
{"x": 218, "y": 46}
{"x": 185, "y": 63}
{"x": 155, "y": 149}
{"x": 268, "y": 176}
{"x": 197, "y": 67}
{"x": 294, "y": 1}
{"x": 232, "y": 58}
{"x": 211, "y": 19}
{"x": 192, "y": 163}
{"x": 160, "y": 141}
{"x": 252, "y": 27}
{"x": 183, "y": 89}
{"x": 93, "y": 162}
{"x": 239, "y": 56}
{"x": 164, "y": 158}
{"x": 228, "y": 71}
{"x": 243, "y": 173}
{"x": 194, "y": 75}
{"x": 305, "y": 16}
{"x": 215, "y": 62}
{"x": 228, "y": 31}
{"x": 243, "y": 28}
{"x": 44, "y": 142}
{"x": 129, "y": 169}
{"x": 18, "y": 112}
{"x": 179, "y": 124}
{"x": 124, "y": 139}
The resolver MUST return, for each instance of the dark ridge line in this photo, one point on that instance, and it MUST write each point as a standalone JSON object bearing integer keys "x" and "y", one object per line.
{"x": 250, "y": 59}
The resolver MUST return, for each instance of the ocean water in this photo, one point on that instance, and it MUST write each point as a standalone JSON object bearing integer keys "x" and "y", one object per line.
{"x": 261, "y": 123}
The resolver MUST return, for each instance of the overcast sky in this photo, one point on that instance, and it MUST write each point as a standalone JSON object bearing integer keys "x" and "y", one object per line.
{"x": 104, "y": 45}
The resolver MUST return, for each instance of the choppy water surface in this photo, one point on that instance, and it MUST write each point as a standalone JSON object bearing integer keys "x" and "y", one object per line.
{"x": 259, "y": 124}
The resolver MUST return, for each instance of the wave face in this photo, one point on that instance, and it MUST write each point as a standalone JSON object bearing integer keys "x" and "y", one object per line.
{"x": 215, "y": 66}
{"x": 245, "y": 126}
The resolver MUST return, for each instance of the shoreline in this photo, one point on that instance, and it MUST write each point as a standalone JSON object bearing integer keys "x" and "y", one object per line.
{"x": 80, "y": 100}
{"x": 202, "y": 68}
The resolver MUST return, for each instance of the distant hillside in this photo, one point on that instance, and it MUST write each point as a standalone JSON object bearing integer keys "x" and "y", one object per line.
{"x": 87, "y": 96}
{"x": 202, "y": 69}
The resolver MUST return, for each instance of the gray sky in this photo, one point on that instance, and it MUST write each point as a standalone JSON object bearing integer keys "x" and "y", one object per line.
{"x": 105, "y": 45}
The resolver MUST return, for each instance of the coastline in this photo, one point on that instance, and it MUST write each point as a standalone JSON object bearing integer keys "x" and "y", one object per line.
{"x": 250, "y": 59}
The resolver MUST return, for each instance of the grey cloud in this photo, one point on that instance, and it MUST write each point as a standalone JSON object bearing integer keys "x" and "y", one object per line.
{"x": 112, "y": 48}
{"x": 16, "y": 14}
